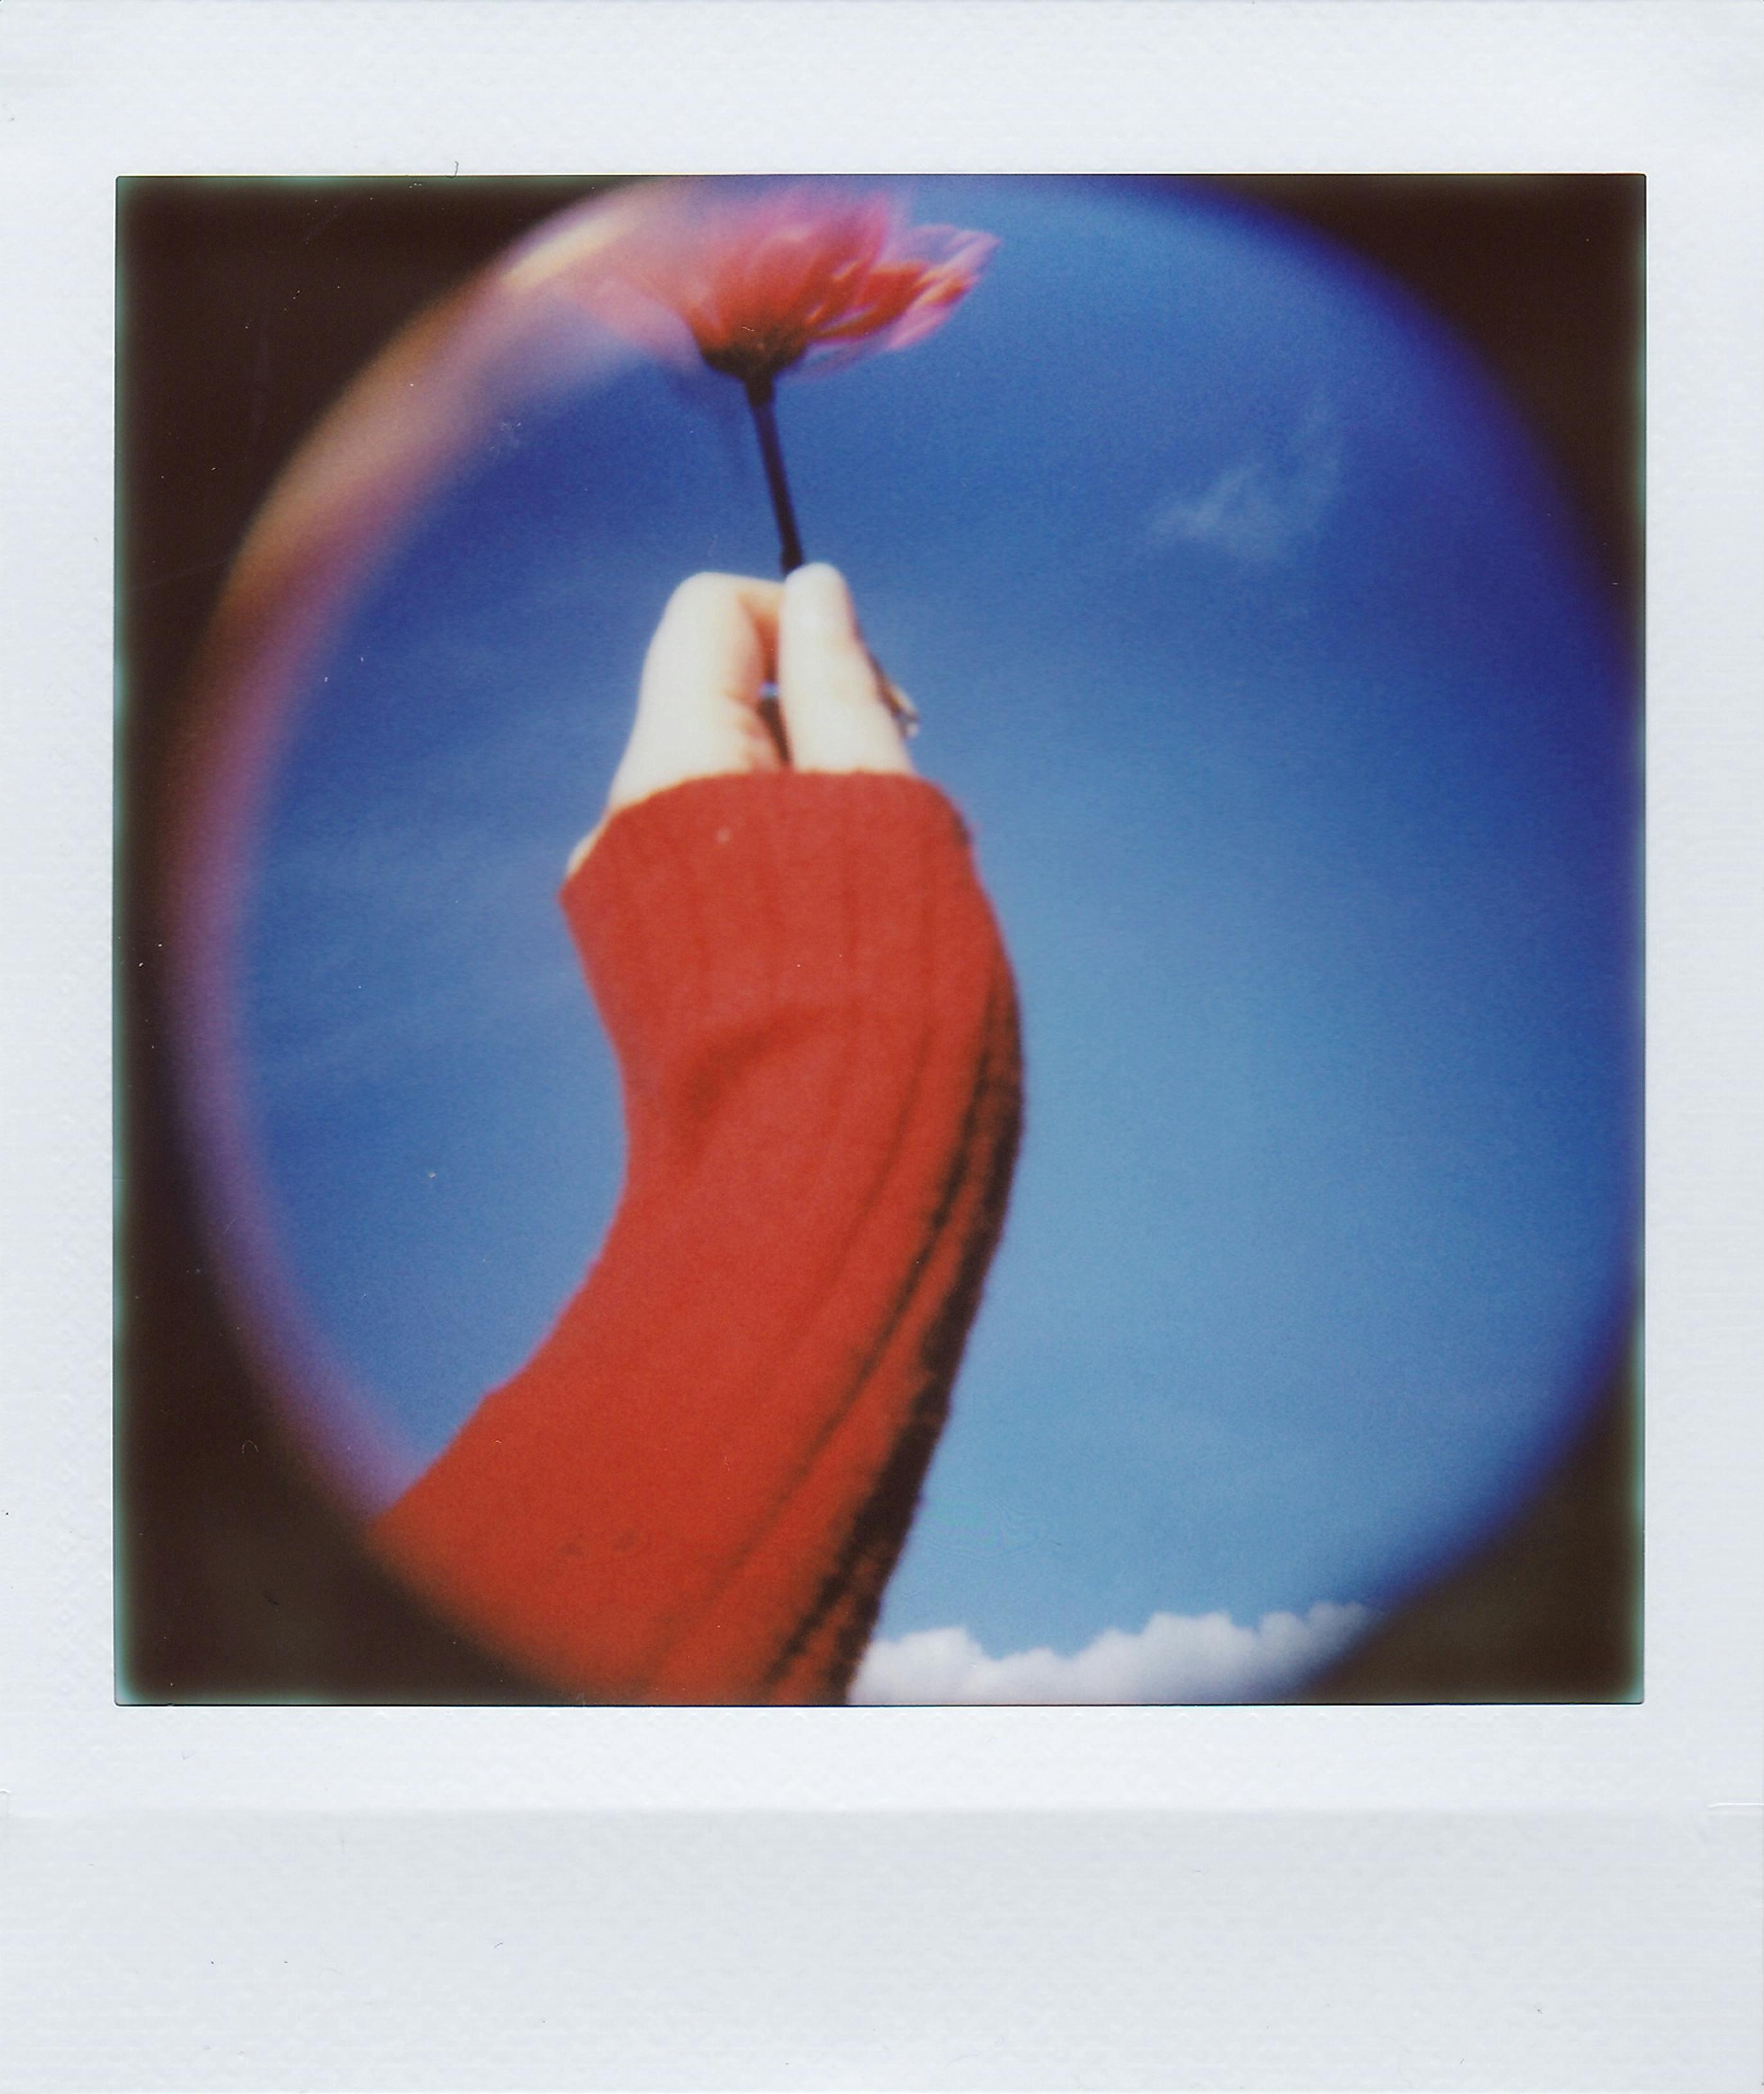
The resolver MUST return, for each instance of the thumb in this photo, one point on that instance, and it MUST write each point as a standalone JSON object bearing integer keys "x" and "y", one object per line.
{"x": 835, "y": 716}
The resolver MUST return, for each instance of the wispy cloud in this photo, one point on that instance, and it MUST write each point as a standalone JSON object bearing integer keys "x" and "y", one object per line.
{"x": 1258, "y": 509}
{"x": 1175, "y": 1657}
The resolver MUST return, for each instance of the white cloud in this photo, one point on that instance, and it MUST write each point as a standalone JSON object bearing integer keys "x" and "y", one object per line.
{"x": 1175, "y": 1657}
{"x": 1258, "y": 509}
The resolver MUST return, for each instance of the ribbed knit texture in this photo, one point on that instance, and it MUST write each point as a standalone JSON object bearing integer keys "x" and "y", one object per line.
{"x": 697, "y": 1487}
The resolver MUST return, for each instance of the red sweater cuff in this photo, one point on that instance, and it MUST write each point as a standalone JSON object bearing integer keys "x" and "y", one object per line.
{"x": 726, "y": 901}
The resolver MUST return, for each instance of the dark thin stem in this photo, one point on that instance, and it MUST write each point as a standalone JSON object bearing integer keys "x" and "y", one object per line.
{"x": 759, "y": 396}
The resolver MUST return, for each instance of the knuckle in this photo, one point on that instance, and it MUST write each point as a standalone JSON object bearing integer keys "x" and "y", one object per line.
{"x": 700, "y": 592}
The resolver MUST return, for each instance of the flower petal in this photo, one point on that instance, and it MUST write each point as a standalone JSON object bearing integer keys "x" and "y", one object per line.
{"x": 763, "y": 286}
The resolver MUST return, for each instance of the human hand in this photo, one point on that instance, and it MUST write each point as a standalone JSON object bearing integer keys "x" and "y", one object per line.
{"x": 702, "y": 707}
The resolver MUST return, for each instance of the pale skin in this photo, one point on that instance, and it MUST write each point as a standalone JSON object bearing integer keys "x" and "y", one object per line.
{"x": 703, "y": 711}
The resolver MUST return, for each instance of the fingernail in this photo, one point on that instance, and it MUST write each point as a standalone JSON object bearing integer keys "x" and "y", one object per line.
{"x": 821, "y": 600}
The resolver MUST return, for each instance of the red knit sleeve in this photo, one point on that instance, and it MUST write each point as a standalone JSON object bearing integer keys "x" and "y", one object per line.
{"x": 696, "y": 1488}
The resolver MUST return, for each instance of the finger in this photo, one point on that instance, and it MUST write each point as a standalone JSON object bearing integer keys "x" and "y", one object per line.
{"x": 699, "y": 709}
{"x": 835, "y": 716}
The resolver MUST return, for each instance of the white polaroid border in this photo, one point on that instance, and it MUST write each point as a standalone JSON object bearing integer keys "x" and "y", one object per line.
{"x": 1477, "y": 1896}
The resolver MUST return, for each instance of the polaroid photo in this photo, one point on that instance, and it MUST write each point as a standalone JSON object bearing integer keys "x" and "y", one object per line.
{"x": 929, "y": 1067}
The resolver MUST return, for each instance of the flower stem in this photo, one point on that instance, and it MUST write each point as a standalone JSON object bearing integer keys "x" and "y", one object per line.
{"x": 759, "y": 399}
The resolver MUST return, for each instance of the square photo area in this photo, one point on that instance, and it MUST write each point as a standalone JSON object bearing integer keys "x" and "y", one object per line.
{"x": 879, "y": 940}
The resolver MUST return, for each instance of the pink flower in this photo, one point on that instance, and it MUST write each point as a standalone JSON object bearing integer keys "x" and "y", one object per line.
{"x": 755, "y": 285}
{"x": 763, "y": 284}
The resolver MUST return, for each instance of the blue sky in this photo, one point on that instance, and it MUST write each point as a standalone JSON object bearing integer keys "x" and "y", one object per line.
{"x": 1255, "y": 642}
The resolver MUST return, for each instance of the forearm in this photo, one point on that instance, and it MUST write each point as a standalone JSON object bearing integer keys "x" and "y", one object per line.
{"x": 696, "y": 1488}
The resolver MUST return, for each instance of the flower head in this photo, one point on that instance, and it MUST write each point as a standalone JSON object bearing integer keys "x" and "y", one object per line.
{"x": 753, "y": 286}
{"x": 760, "y": 285}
